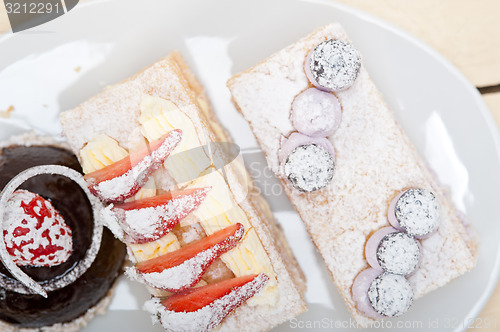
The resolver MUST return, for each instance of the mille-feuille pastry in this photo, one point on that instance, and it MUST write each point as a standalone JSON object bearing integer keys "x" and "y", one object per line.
{"x": 202, "y": 241}
{"x": 49, "y": 231}
{"x": 388, "y": 232}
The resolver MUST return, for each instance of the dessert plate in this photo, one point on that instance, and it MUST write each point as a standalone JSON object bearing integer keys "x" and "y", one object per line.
{"x": 57, "y": 65}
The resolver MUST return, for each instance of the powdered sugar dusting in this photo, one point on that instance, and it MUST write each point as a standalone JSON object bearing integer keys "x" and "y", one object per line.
{"x": 209, "y": 316}
{"x": 309, "y": 167}
{"x": 35, "y": 233}
{"x": 333, "y": 65}
{"x": 316, "y": 113}
{"x": 418, "y": 212}
{"x": 128, "y": 184}
{"x": 296, "y": 139}
{"x": 188, "y": 273}
{"x": 111, "y": 222}
{"x": 390, "y": 294}
{"x": 151, "y": 223}
{"x": 178, "y": 277}
{"x": 398, "y": 253}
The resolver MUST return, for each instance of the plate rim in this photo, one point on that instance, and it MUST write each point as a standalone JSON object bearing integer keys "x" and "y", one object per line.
{"x": 484, "y": 111}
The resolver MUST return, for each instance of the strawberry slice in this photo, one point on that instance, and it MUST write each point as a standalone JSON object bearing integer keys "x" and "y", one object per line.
{"x": 35, "y": 233}
{"x": 203, "y": 308}
{"x": 148, "y": 219}
{"x": 183, "y": 268}
{"x": 124, "y": 178}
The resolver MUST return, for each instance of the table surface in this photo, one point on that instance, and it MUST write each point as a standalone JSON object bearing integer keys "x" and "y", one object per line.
{"x": 466, "y": 32}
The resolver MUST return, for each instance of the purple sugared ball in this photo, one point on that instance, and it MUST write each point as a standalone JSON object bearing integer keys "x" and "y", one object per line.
{"x": 360, "y": 292}
{"x": 390, "y": 294}
{"x": 333, "y": 65}
{"x": 309, "y": 167}
{"x": 398, "y": 253}
{"x": 297, "y": 139}
{"x": 416, "y": 212}
{"x": 316, "y": 113}
{"x": 373, "y": 243}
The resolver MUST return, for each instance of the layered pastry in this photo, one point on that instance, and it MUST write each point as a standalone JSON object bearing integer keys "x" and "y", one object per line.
{"x": 387, "y": 230}
{"x": 201, "y": 239}
{"x": 50, "y": 234}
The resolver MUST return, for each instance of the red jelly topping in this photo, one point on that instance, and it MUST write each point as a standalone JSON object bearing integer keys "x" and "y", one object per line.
{"x": 35, "y": 233}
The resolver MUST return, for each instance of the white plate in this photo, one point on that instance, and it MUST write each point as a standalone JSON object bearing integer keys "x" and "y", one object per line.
{"x": 58, "y": 65}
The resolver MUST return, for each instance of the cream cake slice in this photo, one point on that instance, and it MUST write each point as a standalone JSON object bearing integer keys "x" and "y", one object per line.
{"x": 387, "y": 231}
{"x": 197, "y": 223}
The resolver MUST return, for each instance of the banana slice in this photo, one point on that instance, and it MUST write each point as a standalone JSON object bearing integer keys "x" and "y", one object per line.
{"x": 102, "y": 151}
{"x": 189, "y": 159}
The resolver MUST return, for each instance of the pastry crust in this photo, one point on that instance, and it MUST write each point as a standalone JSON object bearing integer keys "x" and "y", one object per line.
{"x": 374, "y": 162}
{"x": 115, "y": 111}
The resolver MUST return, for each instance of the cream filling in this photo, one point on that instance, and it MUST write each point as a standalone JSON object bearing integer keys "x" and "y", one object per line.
{"x": 102, "y": 151}
{"x": 159, "y": 116}
{"x": 219, "y": 209}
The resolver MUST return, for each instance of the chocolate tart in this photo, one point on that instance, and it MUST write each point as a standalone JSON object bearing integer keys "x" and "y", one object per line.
{"x": 67, "y": 304}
